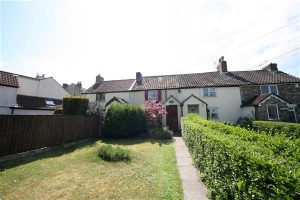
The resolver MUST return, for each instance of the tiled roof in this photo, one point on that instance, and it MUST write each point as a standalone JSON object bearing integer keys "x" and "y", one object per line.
{"x": 111, "y": 86}
{"x": 36, "y": 102}
{"x": 256, "y": 100}
{"x": 208, "y": 79}
{"x": 8, "y": 79}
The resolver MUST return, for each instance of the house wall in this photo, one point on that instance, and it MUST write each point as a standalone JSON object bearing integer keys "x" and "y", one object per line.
{"x": 288, "y": 91}
{"x": 228, "y": 100}
{"x": 8, "y": 96}
{"x": 91, "y": 97}
{"x": 41, "y": 88}
{"x": 122, "y": 95}
{"x": 32, "y": 112}
{"x": 137, "y": 97}
{"x": 261, "y": 110}
{"x": 193, "y": 101}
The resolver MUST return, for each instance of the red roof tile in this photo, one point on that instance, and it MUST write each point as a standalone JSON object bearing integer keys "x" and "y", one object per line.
{"x": 8, "y": 79}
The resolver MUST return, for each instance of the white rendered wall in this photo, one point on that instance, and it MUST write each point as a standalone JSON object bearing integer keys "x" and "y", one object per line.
{"x": 228, "y": 100}
{"x": 41, "y": 88}
{"x": 32, "y": 112}
{"x": 8, "y": 96}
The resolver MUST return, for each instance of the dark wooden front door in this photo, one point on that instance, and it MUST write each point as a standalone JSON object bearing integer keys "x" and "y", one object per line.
{"x": 172, "y": 117}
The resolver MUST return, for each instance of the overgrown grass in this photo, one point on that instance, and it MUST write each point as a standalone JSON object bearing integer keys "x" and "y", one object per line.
{"x": 78, "y": 173}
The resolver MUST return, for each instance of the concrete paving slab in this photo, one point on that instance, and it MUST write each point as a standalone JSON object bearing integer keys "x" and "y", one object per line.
{"x": 193, "y": 187}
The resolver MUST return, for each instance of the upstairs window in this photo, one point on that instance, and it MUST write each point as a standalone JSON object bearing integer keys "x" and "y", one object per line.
{"x": 213, "y": 112}
{"x": 269, "y": 89}
{"x": 153, "y": 95}
{"x": 209, "y": 92}
{"x": 100, "y": 97}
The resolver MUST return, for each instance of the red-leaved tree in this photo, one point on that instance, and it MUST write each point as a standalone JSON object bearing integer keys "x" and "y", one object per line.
{"x": 153, "y": 113}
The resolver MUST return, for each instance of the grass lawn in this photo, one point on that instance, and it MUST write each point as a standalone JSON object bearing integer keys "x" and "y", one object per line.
{"x": 78, "y": 173}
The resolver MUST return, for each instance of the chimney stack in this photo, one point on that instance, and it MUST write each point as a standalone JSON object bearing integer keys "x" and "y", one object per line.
{"x": 65, "y": 86}
{"x": 38, "y": 76}
{"x": 99, "y": 78}
{"x": 222, "y": 66}
{"x": 79, "y": 84}
{"x": 272, "y": 67}
{"x": 139, "y": 78}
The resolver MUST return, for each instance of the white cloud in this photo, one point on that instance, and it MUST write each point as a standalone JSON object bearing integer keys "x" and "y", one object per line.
{"x": 117, "y": 38}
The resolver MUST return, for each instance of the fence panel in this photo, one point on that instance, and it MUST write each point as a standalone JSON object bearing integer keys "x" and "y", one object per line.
{"x": 20, "y": 133}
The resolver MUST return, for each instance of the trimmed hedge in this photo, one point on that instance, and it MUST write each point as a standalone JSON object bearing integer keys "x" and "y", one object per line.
{"x": 114, "y": 154}
{"x": 239, "y": 164}
{"x": 291, "y": 130}
{"x": 75, "y": 105}
{"x": 123, "y": 121}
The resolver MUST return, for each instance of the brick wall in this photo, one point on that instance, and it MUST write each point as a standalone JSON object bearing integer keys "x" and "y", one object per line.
{"x": 262, "y": 114}
{"x": 247, "y": 92}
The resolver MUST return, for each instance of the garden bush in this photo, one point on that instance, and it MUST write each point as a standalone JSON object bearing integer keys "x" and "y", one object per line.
{"x": 113, "y": 154}
{"x": 245, "y": 122}
{"x": 75, "y": 105}
{"x": 123, "y": 121}
{"x": 291, "y": 130}
{"x": 161, "y": 133}
{"x": 239, "y": 164}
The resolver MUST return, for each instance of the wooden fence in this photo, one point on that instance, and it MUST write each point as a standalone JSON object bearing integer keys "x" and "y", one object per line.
{"x": 20, "y": 133}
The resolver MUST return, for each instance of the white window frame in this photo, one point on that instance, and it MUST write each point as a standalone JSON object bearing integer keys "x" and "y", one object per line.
{"x": 210, "y": 91}
{"x": 209, "y": 114}
{"x": 153, "y": 96}
{"x": 193, "y": 105}
{"x": 269, "y": 89}
{"x": 277, "y": 112}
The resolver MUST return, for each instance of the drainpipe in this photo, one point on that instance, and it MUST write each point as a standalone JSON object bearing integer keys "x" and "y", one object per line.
{"x": 206, "y": 112}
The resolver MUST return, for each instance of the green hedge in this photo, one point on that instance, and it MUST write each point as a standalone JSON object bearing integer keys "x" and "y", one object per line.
{"x": 123, "y": 120}
{"x": 240, "y": 164}
{"x": 289, "y": 129}
{"x": 75, "y": 105}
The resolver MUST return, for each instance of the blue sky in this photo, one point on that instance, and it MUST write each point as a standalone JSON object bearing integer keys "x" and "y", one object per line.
{"x": 76, "y": 40}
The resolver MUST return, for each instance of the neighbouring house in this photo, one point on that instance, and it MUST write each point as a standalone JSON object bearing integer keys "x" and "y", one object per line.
{"x": 223, "y": 95}
{"x": 32, "y": 96}
{"x": 74, "y": 89}
{"x": 8, "y": 91}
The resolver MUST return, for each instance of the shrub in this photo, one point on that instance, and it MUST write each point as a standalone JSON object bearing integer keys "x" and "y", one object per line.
{"x": 153, "y": 113}
{"x": 113, "y": 154}
{"x": 75, "y": 105}
{"x": 241, "y": 164}
{"x": 58, "y": 111}
{"x": 123, "y": 121}
{"x": 161, "y": 133}
{"x": 291, "y": 130}
{"x": 245, "y": 122}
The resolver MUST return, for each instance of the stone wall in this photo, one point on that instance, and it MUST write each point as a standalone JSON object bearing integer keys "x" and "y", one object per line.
{"x": 291, "y": 92}
{"x": 262, "y": 114}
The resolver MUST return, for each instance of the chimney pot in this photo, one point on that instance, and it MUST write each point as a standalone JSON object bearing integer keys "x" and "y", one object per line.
{"x": 222, "y": 66}
{"x": 99, "y": 78}
{"x": 139, "y": 78}
{"x": 79, "y": 84}
{"x": 65, "y": 85}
